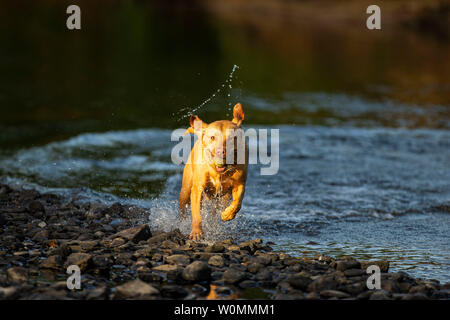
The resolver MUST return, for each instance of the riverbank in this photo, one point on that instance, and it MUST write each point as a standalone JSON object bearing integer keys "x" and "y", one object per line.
{"x": 121, "y": 258}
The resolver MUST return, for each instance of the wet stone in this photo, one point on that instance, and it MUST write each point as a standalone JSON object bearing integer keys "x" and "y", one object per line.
{"x": 83, "y": 260}
{"x": 17, "y": 275}
{"x": 7, "y": 293}
{"x": 52, "y": 262}
{"x": 354, "y": 272}
{"x": 380, "y": 295}
{"x": 135, "y": 234}
{"x": 178, "y": 259}
{"x": 248, "y": 284}
{"x": 300, "y": 282}
{"x": 36, "y": 207}
{"x": 344, "y": 265}
{"x": 216, "y": 261}
{"x": 233, "y": 276}
{"x": 254, "y": 267}
{"x": 215, "y": 248}
{"x": 197, "y": 271}
{"x": 323, "y": 283}
{"x": 334, "y": 294}
{"x": 173, "y": 292}
{"x": 102, "y": 261}
{"x": 383, "y": 264}
{"x": 134, "y": 289}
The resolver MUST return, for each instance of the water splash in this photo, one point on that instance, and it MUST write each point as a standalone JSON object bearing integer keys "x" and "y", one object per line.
{"x": 227, "y": 83}
{"x": 165, "y": 216}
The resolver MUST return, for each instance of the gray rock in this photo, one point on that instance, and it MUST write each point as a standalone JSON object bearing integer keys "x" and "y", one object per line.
{"x": 364, "y": 295}
{"x": 354, "y": 272}
{"x": 380, "y": 295}
{"x": 52, "y": 262}
{"x": 323, "y": 283}
{"x": 216, "y": 261}
{"x": 248, "y": 284}
{"x": 8, "y": 293}
{"x": 17, "y": 275}
{"x": 299, "y": 282}
{"x": 114, "y": 210}
{"x": 416, "y": 296}
{"x": 264, "y": 275}
{"x": 41, "y": 235}
{"x": 134, "y": 289}
{"x": 390, "y": 286}
{"x": 312, "y": 296}
{"x": 173, "y": 292}
{"x": 83, "y": 260}
{"x": 102, "y": 261}
{"x": 123, "y": 258}
{"x": 36, "y": 207}
{"x": 166, "y": 268}
{"x": 250, "y": 246}
{"x": 254, "y": 267}
{"x": 216, "y": 275}
{"x": 215, "y": 248}
{"x": 197, "y": 271}
{"x": 135, "y": 234}
{"x": 334, "y": 294}
{"x": 383, "y": 264}
{"x": 179, "y": 259}
{"x": 233, "y": 276}
{"x": 99, "y": 293}
{"x": 169, "y": 244}
{"x": 63, "y": 250}
{"x": 344, "y": 265}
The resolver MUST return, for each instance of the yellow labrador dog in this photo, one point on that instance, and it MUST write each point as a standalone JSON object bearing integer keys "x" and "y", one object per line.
{"x": 207, "y": 173}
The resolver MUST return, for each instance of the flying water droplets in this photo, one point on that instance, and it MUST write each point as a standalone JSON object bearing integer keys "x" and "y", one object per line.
{"x": 200, "y": 106}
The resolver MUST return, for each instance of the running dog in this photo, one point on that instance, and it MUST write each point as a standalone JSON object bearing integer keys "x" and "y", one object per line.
{"x": 208, "y": 174}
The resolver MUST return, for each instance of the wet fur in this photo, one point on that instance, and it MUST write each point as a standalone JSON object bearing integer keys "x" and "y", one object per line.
{"x": 202, "y": 182}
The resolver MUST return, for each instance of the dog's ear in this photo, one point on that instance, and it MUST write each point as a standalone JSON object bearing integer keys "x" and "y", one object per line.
{"x": 238, "y": 114}
{"x": 197, "y": 125}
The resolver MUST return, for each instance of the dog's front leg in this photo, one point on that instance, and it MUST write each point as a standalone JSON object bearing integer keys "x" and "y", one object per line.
{"x": 238, "y": 194}
{"x": 196, "y": 199}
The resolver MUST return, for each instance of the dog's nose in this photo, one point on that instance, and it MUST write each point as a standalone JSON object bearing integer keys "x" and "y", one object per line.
{"x": 220, "y": 154}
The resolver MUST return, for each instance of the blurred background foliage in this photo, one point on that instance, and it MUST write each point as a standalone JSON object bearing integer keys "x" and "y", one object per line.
{"x": 137, "y": 63}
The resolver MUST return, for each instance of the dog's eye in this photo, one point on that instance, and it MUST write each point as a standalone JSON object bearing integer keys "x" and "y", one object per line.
{"x": 212, "y": 138}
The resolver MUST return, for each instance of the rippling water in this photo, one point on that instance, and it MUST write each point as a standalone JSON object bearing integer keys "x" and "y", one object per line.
{"x": 372, "y": 193}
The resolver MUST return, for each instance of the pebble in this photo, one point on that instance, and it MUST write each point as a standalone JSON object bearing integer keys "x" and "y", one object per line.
{"x": 197, "y": 271}
{"x": 133, "y": 289}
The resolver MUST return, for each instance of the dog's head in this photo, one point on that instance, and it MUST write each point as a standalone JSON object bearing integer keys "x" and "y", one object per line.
{"x": 219, "y": 138}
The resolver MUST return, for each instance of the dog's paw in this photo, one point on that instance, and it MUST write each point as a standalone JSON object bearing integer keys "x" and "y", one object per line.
{"x": 196, "y": 234}
{"x": 228, "y": 215}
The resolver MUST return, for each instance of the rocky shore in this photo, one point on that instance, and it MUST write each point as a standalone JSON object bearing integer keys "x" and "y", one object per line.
{"x": 121, "y": 258}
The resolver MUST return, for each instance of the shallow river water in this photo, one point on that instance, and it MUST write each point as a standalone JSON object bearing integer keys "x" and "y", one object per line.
{"x": 373, "y": 193}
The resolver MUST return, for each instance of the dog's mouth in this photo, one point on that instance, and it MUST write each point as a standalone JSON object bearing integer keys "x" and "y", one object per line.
{"x": 219, "y": 165}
